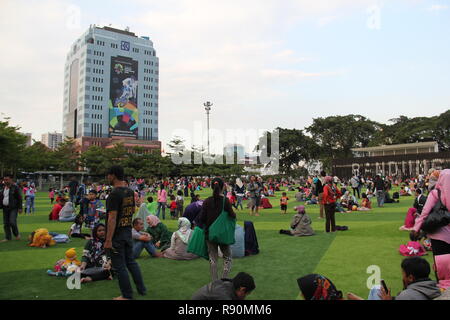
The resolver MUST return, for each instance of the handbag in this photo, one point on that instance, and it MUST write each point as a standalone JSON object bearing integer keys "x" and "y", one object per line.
{"x": 439, "y": 217}
{"x": 222, "y": 230}
{"x": 197, "y": 243}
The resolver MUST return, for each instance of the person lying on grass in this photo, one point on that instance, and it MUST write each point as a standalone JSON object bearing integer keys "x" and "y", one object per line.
{"x": 300, "y": 225}
{"x": 142, "y": 240}
{"x": 416, "y": 283}
{"x": 161, "y": 236}
{"x": 94, "y": 264}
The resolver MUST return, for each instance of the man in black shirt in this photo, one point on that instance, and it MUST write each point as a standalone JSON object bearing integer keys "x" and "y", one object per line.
{"x": 120, "y": 208}
{"x": 73, "y": 188}
{"x": 11, "y": 203}
{"x": 379, "y": 187}
{"x": 420, "y": 201}
{"x": 318, "y": 192}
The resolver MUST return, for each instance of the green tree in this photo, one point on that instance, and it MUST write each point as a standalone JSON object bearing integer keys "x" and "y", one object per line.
{"x": 67, "y": 156}
{"x": 337, "y": 135}
{"x": 12, "y": 145}
{"x": 37, "y": 157}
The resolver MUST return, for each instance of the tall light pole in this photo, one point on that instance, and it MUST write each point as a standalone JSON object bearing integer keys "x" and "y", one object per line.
{"x": 207, "y": 108}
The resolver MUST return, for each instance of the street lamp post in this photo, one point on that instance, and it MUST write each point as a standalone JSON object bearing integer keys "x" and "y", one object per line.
{"x": 208, "y": 109}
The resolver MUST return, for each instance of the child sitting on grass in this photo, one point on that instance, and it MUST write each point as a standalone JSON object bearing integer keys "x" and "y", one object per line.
{"x": 365, "y": 202}
{"x": 75, "y": 229}
{"x": 284, "y": 203}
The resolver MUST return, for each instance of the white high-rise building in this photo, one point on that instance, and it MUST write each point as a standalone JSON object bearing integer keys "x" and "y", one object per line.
{"x": 52, "y": 140}
{"x": 29, "y": 139}
{"x": 111, "y": 88}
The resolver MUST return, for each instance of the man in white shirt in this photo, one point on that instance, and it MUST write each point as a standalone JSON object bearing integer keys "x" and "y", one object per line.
{"x": 11, "y": 203}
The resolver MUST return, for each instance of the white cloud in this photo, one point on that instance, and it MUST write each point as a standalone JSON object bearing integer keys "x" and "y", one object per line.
{"x": 326, "y": 20}
{"x": 438, "y": 7}
{"x": 293, "y": 74}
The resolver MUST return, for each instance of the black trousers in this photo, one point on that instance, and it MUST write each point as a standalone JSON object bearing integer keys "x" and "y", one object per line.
{"x": 10, "y": 222}
{"x": 439, "y": 248}
{"x": 122, "y": 262}
{"x": 330, "y": 222}
{"x": 356, "y": 190}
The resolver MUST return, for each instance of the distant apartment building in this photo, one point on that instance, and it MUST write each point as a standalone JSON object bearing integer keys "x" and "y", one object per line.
{"x": 52, "y": 140}
{"x": 29, "y": 141}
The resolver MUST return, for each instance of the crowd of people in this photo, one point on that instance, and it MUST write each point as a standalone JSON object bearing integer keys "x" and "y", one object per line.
{"x": 113, "y": 245}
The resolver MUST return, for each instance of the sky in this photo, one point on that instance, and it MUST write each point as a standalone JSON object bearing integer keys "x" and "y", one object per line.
{"x": 263, "y": 64}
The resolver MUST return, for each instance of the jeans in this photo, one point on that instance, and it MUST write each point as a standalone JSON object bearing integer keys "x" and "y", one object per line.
{"x": 30, "y": 204}
{"x": 163, "y": 206}
{"x": 122, "y": 259}
{"x": 239, "y": 202}
{"x": 141, "y": 245}
{"x": 380, "y": 197}
{"x": 213, "y": 251}
{"x": 10, "y": 223}
{"x": 73, "y": 198}
{"x": 374, "y": 293}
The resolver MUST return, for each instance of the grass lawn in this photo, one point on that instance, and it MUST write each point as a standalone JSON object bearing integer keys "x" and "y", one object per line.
{"x": 373, "y": 238}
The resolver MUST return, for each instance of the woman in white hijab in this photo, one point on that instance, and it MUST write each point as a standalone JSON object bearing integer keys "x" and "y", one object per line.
{"x": 179, "y": 242}
{"x": 67, "y": 213}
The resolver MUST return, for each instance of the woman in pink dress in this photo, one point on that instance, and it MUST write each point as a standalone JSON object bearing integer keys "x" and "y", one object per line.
{"x": 440, "y": 240}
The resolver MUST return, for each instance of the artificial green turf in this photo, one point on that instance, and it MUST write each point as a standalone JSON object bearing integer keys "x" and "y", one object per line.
{"x": 373, "y": 239}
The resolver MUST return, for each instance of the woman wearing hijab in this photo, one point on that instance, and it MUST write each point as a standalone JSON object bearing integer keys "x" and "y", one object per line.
{"x": 94, "y": 263}
{"x": 300, "y": 225}
{"x": 318, "y": 287}
{"x": 434, "y": 176}
{"x": 160, "y": 234}
{"x": 330, "y": 194}
{"x": 67, "y": 213}
{"x": 211, "y": 209}
{"x": 179, "y": 242}
{"x": 411, "y": 216}
{"x": 440, "y": 240}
